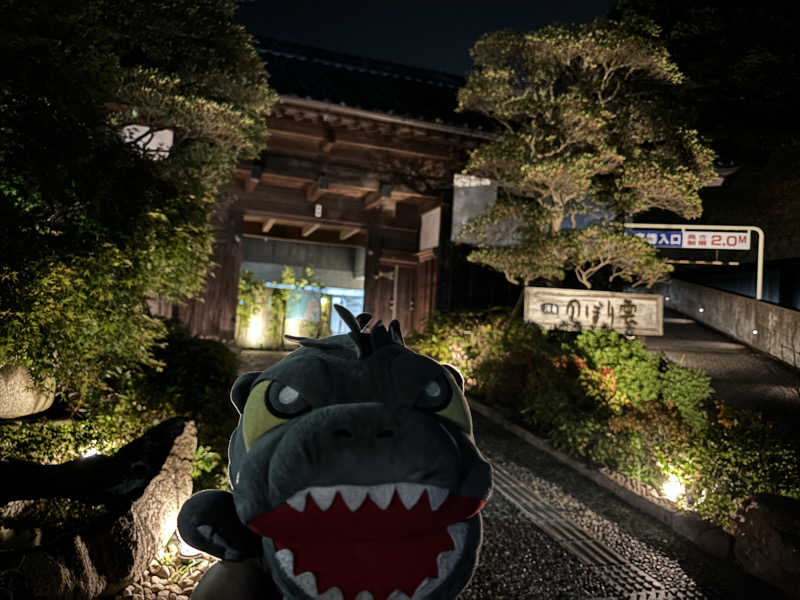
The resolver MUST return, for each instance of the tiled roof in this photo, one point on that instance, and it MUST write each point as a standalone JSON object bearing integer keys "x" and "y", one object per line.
{"x": 365, "y": 83}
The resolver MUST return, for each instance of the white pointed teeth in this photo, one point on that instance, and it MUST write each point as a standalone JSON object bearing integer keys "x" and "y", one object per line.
{"x": 458, "y": 533}
{"x": 298, "y": 501}
{"x": 398, "y": 595}
{"x": 307, "y": 582}
{"x": 437, "y": 496}
{"x": 323, "y": 496}
{"x": 365, "y": 595}
{"x": 333, "y": 593}
{"x": 354, "y": 496}
{"x": 381, "y": 495}
{"x": 285, "y": 559}
{"x": 409, "y": 493}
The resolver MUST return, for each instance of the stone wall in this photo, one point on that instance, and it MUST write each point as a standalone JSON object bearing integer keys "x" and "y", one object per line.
{"x": 764, "y": 326}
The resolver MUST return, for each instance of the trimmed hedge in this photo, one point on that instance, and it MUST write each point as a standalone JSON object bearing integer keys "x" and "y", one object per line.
{"x": 605, "y": 398}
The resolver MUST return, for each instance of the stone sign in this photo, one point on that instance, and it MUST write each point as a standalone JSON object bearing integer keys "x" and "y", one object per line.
{"x": 575, "y": 310}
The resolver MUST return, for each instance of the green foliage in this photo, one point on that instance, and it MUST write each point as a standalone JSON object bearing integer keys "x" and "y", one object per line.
{"x": 605, "y": 398}
{"x": 249, "y": 287}
{"x": 728, "y": 464}
{"x": 589, "y": 123}
{"x": 91, "y": 222}
{"x": 687, "y": 389}
{"x": 635, "y": 370}
{"x": 50, "y": 442}
{"x": 195, "y": 381}
{"x": 192, "y": 379}
{"x": 205, "y": 468}
{"x": 53, "y": 515}
{"x": 625, "y": 256}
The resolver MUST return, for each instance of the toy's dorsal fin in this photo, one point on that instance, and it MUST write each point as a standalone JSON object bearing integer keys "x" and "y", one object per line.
{"x": 348, "y": 318}
{"x": 363, "y": 320}
{"x": 394, "y": 332}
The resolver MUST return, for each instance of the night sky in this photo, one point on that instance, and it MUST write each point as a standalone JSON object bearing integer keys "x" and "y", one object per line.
{"x": 436, "y": 34}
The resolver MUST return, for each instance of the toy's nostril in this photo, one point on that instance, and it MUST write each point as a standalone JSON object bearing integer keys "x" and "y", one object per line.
{"x": 386, "y": 433}
{"x": 342, "y": 434}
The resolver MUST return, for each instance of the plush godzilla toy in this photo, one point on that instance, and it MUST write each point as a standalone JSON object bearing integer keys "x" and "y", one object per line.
{"x": 355, "y": 476}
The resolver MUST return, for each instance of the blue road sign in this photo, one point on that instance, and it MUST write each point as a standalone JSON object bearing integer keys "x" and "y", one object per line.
{"x": 660, "y": 238}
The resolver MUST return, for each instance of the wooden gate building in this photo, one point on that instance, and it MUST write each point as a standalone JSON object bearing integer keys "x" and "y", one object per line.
{"x": 361, "y": 154}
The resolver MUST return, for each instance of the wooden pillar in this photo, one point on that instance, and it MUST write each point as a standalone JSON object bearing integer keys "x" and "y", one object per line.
{"x": 425, "y": 298}
{"x": 213, "y": 314}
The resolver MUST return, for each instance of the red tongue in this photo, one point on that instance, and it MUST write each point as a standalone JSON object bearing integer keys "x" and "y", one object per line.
{"x": 369, "y": 549}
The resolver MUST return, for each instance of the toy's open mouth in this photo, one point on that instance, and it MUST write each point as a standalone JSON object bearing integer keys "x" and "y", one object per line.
{"x": 369, "y": 542}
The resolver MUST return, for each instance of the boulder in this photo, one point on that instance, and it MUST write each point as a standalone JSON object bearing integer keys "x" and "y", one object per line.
{"x": 142, "y": 486}
{"x": 767, "y": 540}
{"x": 19, "y": 396}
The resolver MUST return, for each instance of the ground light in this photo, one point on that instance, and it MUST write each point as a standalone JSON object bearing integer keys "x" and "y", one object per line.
{"x": 672, "y": 488}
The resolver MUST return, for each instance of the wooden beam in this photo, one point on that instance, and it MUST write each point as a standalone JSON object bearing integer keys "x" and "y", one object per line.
{"x": 364, "y": 140}
{"x": 345, "y": 180}
{"x": 372, "y": 200}
{"x": 268, "y": 225}
{"x": 268, "y": 201}
{"x": 348, "y": 233}
{"x": 309, "y": 229}
{"x": 328, "y": 140}
{"x": 313, "y": 192}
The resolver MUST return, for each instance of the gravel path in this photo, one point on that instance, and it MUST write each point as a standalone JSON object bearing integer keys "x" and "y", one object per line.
{"x": 519, "y": 561}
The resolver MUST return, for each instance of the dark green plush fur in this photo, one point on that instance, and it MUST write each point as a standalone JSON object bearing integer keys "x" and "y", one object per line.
{"x": 364, "y": 385}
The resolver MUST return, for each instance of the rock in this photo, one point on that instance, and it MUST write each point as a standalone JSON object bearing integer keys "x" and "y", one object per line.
{"x": 144, "y": 485}
{"x": 767, "y": 532}
{"x": 19, "y": 396}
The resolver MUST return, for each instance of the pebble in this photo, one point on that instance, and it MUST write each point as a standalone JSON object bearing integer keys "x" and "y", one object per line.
{"x": 170, "y": 577}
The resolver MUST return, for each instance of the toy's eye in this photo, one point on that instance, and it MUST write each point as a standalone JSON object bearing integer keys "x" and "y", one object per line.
{"x": 284, "y": 401}
{"x": 435, "y": 394}
{"x": 456, "y": 409}
{"x": 256, "y": 419}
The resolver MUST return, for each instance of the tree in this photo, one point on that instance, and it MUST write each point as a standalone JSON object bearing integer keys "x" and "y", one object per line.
{"x": 91, "y": 222}
{"x": 589, "y": 123}
{"x": 741, "y": 64}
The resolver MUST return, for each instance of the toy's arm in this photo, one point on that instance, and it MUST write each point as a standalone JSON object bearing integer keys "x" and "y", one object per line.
{"x": 208, "y": 522}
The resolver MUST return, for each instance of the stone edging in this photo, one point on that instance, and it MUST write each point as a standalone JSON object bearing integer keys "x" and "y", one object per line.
{"x": 709, "y": 538}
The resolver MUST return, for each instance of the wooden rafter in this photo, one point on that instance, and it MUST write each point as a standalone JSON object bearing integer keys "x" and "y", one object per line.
{"x": 348, "y": 233}
{"x": 309, "y": 229}
{"x": 268, "y": 225}
{"x": 313, "y": 192}
{"x": 372, "y": 200}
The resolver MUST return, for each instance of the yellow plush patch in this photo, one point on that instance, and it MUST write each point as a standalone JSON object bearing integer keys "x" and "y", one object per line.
{"x": 257, "y": 419}
{"x": 457, "y": 410}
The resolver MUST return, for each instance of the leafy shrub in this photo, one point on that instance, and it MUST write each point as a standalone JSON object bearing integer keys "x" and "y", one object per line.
{"x": 635, "y": 369}
{"x": 689, "y": 390}
{"x": 605, "y": 398}
{"x": 193, "y": 380}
